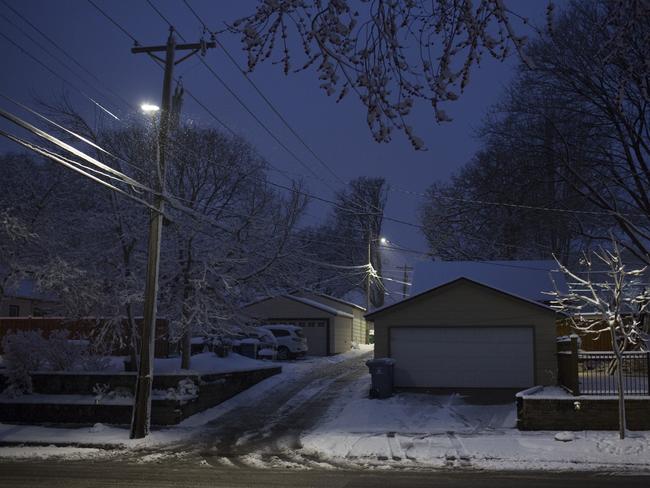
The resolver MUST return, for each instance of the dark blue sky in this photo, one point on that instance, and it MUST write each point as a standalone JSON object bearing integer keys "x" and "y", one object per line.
{"x": 337, "y": 132}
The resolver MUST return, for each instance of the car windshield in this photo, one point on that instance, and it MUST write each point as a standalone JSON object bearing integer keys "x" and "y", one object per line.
{"x": 299, "y": 332}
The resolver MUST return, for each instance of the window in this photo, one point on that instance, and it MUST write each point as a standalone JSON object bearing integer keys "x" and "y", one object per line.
{"x": 14, "y": 311}
{"x": 280, "y": 332}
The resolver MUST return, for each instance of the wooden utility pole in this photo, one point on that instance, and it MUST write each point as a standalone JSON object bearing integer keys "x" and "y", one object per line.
{"x": 141, "y": 419}
{"x": 368, "y": 276}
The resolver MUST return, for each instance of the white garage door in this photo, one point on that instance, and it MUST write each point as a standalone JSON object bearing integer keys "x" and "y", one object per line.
{"x": 462, "y": 357}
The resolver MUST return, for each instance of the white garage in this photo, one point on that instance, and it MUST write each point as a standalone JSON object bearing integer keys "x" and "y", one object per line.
{"x": 463, "y": 357}
{"x": 465, "y": 334}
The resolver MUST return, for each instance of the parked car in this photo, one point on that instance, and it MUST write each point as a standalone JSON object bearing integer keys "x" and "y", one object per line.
{"x": 290, "y": 339}
{"x": 256, "y": 343}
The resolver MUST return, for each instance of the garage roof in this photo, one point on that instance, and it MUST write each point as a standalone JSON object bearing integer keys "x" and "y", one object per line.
{"x": 381, "y": 310}
{"x": 526, "y": 279}
{"x": 319, "y": 305}
{"x": 308, "y": 302}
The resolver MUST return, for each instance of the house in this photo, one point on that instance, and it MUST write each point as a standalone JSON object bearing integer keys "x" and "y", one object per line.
{"x": 25, "y": 300}
{"x": 359, "y": 325}
{"x": 328, "y": 329}
{"x": 466, "y": 334}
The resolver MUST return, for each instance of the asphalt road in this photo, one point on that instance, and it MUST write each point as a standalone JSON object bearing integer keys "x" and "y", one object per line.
{"x": 53, "y": 474}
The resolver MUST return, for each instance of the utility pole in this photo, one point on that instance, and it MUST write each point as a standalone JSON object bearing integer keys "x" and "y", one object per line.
{"x": 405, "y": 280}
{"x": 368, "y": 274}
{"x": 141, "y": 419}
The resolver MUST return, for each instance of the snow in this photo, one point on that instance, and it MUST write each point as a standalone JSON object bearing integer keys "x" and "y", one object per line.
{"x": 118, "y": 437}
{"x": 527, "y": 279}
{"x": 565, "y": 436}
{"x": 208, "y": 362}
{"x": 319, "y": 305}
{"x": 438, "y": 430}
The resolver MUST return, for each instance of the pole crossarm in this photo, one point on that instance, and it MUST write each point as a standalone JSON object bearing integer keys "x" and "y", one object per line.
{"x": 194, "y": 46}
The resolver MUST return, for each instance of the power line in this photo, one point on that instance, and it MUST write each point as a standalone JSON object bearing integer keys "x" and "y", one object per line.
{"x": 294, "y": 190}
{"x": 244, "y": 105}
{"x": 265, "y": 98}
{"x": 64, "y": 52}
{"x": 59, "y": 76}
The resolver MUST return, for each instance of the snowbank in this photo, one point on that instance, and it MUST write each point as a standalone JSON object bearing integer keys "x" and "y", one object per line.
{"x": 209, "y": 362}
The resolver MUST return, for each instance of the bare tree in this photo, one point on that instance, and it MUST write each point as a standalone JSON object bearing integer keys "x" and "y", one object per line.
{"x": 236, "y": 235}
{"x": 391, "y": 54}
{"x": 613, "y": 303}
{"x": 589, "y": 93}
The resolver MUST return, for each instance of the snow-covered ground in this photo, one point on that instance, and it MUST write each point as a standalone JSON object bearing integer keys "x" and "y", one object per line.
{"x": 118, "y": 437}
{"x": 409, "y": 430}
{"x": 208, "y": 362}
{"x": 446, "y": 431}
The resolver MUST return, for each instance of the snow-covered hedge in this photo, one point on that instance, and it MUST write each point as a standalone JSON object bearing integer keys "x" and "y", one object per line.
{"x": 30, "y": 350}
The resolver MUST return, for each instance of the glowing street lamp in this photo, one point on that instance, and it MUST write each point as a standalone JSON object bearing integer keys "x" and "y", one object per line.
{"x": 383, "y": 241}
{"x": 149, "y": 108}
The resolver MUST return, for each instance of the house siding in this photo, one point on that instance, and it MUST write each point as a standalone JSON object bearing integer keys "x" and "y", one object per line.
{"x": 359, "y": 326}
{"x": 282, "y": 308}
{"x": 466, "y": 304}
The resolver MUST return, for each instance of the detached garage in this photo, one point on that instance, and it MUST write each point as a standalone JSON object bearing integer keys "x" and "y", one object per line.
{"x": 464, "y": 334}
{"x": 327, "y": 329}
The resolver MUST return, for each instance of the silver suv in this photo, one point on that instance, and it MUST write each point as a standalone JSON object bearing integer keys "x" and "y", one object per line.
{"x": 291, "y": 341}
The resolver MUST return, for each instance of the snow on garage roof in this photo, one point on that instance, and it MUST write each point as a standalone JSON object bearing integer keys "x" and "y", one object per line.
{"x": 319, "y": 305}
{"x": 526, "y": 279}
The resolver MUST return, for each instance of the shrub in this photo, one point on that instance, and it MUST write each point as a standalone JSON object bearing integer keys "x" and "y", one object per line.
{"x": 24, "y": 352}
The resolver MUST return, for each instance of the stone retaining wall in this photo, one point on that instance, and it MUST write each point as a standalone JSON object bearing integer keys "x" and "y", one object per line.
{"x": 588, "y": 414}
{"x": 213, "y": 389}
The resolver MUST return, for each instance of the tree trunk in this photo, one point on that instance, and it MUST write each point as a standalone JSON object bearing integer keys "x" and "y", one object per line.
{"x": 186, "y": 348}
{"x": 186, "y": 340}
{"x": 135, "y": 334}
{"x": 621, "y": 387}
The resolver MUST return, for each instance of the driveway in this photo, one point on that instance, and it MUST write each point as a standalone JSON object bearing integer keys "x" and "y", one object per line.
{"x": 273, "y": 426}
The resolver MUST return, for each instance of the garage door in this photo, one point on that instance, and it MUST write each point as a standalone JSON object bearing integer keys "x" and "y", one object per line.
{"x": 315, "y": 332}
{"x": 463, "y": 357}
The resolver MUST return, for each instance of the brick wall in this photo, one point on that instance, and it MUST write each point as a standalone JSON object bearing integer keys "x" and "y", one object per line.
{"x": 593, "y": 414}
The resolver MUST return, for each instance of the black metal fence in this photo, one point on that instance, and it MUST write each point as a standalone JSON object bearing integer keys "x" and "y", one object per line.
{"x": 598, "y": 373}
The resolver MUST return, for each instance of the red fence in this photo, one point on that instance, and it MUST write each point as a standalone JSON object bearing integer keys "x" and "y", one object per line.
{"x": 86, "y": 328}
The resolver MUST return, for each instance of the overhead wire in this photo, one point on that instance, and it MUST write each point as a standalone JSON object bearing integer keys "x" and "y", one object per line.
{"x": 59, "y": 76}
{"x": 58, "y": 47}
{"x": 284, "y": 121}
{"x": 301, "y": 192}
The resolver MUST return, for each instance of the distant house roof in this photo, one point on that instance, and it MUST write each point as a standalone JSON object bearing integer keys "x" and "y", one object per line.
{"x": 336, "y": 299}
{"x": 405, "y": 302}
{"x": 27, "y": 288}
{"x": 525, "y": 279}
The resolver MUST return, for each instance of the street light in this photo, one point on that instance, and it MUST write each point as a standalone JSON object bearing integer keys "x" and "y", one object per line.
{"x": 149, "y": 108}
{"x": 383, "y": 241}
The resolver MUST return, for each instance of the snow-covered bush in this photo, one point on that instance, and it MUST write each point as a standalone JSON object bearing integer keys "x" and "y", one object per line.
{"x": 61, "y": 353}
{"x": 24, "y": 351}
{"x": 185, "y": 389}
{"x": 29, "y": 351}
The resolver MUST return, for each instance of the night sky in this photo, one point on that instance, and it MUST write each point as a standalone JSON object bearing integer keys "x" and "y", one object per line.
{"x": 337, "y": 132}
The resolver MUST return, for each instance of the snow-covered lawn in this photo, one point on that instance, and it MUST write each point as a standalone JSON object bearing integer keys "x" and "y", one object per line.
{"x": 208, "y": 362}
{"x": 102, "y": 435}
{"x": 446, "y": 431}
